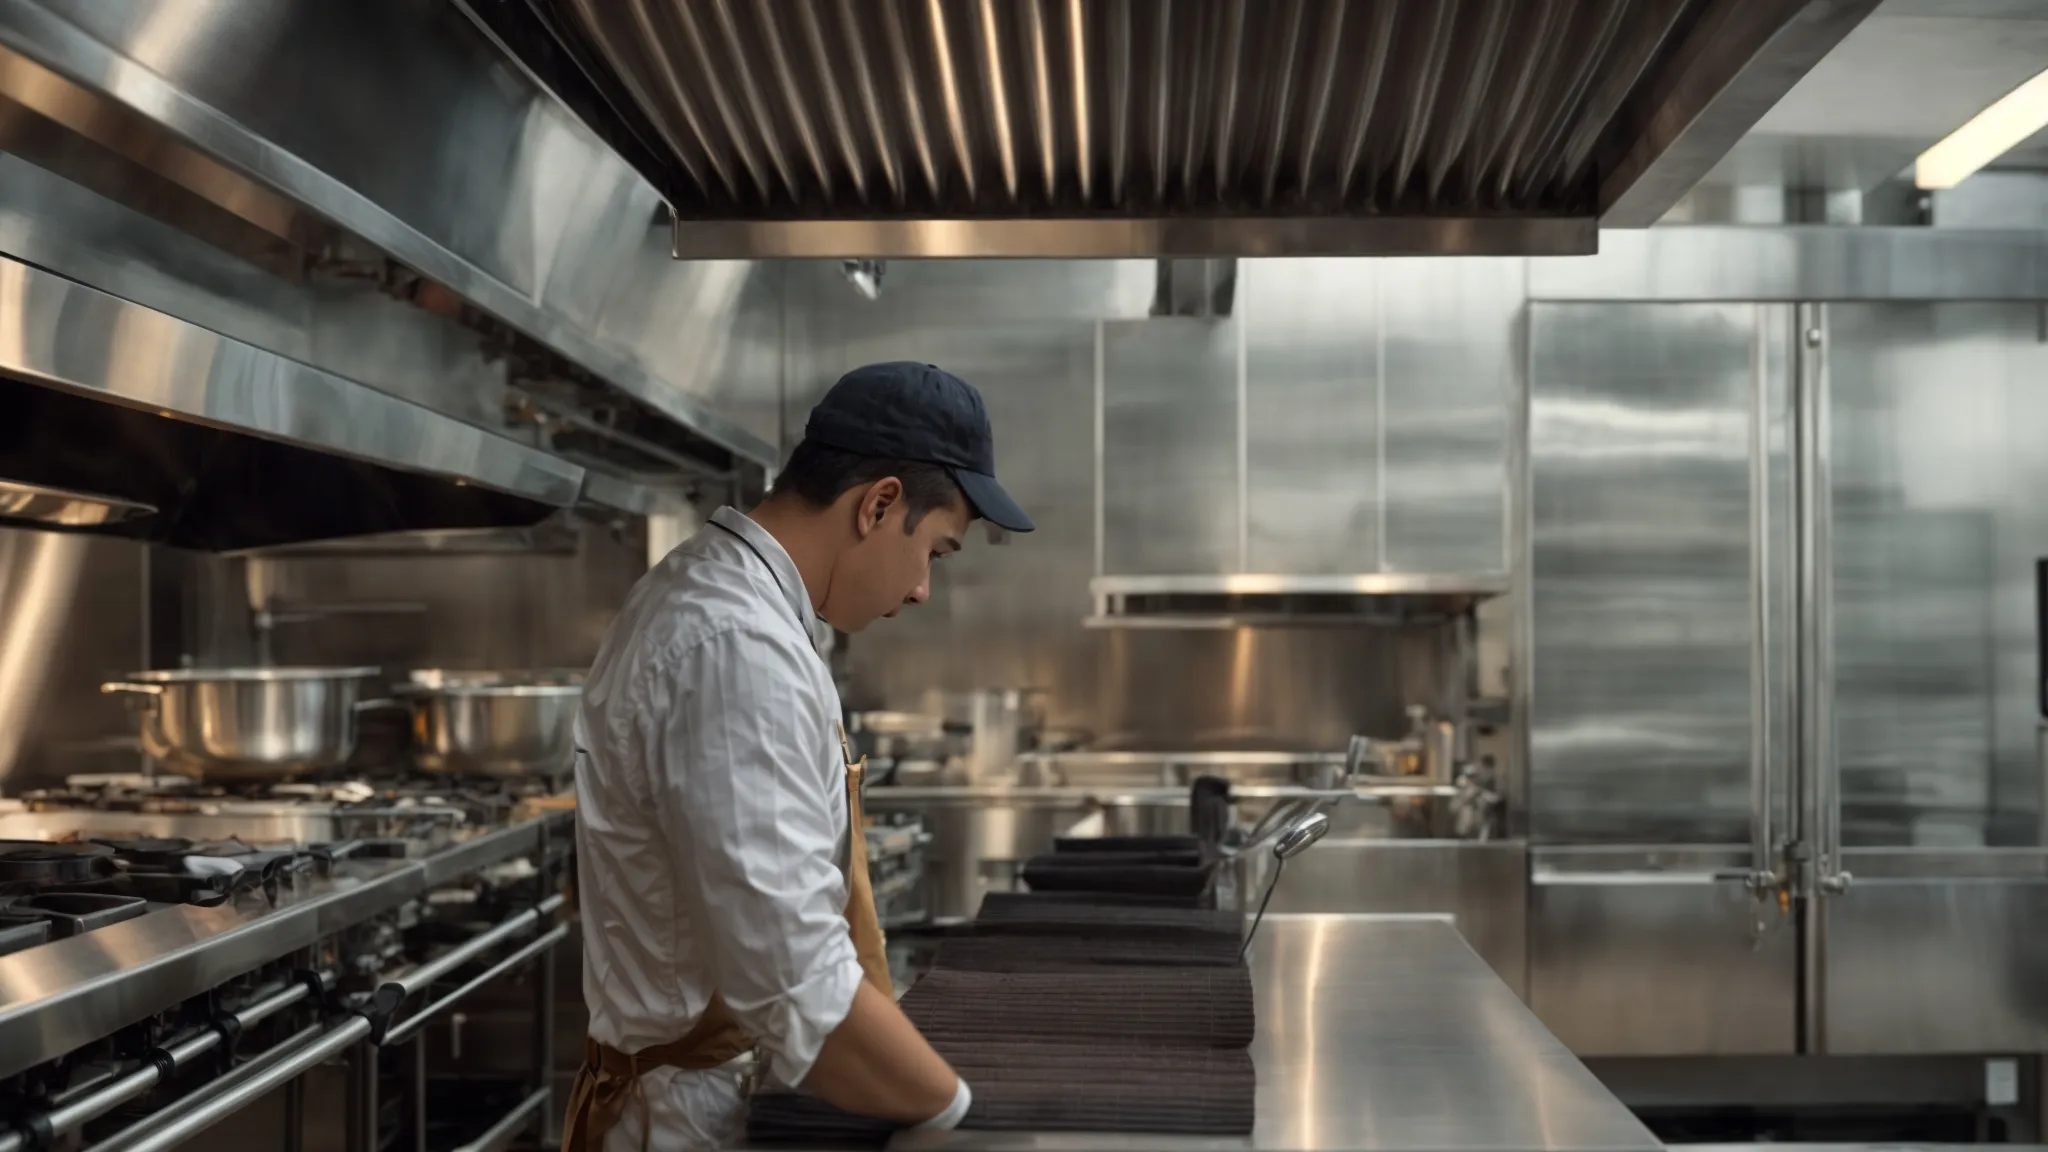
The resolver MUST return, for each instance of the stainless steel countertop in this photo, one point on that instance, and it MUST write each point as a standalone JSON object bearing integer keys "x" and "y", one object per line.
{"x": 1382, "y": 1032}
{"x": 58, "y": 996}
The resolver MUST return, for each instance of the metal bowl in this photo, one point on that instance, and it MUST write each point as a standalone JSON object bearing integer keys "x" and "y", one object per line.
{"x": 494, "y": 723}
{"x": 249, "y": 724}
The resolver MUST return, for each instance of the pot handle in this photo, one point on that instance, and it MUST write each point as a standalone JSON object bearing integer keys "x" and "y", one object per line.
{"x": 380, "y": 704}
{"x": 113, "y": 686}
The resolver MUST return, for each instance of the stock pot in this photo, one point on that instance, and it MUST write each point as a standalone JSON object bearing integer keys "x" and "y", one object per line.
{"x": 249, "y": 725}
{"x": 495, "y": 723}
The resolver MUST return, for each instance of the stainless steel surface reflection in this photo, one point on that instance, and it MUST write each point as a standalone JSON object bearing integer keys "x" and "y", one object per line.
{"x": 1935, "y": 412}
{"x": 1384, "y": 1032}
{"x": 1978, "y": 917}
{"x": 1641, "y": 550}
{"x": 1392, "y": 1033}
{"x": 1653, "y": 952}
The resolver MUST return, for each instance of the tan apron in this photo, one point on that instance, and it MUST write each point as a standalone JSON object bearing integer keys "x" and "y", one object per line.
{"x": 610, "y": 1079}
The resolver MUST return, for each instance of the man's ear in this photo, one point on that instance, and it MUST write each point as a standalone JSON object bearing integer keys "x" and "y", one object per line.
{"x": 881, "y": 496}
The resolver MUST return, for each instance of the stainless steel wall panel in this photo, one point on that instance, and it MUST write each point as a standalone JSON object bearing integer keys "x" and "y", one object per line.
{"x": 1937, "y": 526}
{"x": 1377, "y": 401}
{"x": 1312, "y": 415}
{"x": 1024, "y": 332}
{"x": 1631, "y": 954}
{"x": 71, "y": 608}
{"x": 1171, "y": 493}
{"x": 504, "y": 611}
{"x": 1799, "y": 263}
{"x": 1640, "y": 480}
{"x": 1451, "y": 373}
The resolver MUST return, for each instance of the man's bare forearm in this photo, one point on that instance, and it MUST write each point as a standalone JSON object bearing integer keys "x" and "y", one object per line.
{"x": 876, "y": 1063}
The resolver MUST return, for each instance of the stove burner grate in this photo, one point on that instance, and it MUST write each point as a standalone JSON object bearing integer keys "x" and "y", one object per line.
{"x": 170, "y": 852}
{"x": 46, "y": 862}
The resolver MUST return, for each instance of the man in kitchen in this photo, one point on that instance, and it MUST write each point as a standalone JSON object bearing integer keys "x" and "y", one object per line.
{"x": 723, "y": 879}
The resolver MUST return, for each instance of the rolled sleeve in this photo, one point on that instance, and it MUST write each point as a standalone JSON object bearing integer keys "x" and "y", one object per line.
{"x": 739, "y": 778}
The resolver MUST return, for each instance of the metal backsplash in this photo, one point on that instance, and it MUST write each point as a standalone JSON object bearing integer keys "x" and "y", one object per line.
{"x": 1352, "y": 417}
{"x": 519, "y": 611}
{"x": 71, "y": 616}
{"x": 1025, "y": 333}
{"x": 76, "y": 611}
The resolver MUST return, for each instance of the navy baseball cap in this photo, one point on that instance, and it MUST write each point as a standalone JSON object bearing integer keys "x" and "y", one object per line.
{"x": 909, "y": 411}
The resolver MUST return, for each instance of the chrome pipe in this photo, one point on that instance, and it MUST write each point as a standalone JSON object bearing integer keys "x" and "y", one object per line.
{"x": 235, "y": 1091}
{"x": 1763, "y": 838}
{"x": 294, "y": 1116}
{"x": 543, "y": 1034}
{"x": 427, "y": 973}
{"x": 1821, "y": 803}
{"x": 271, "y": 1005}
{"x": 77, "y": 1113}
{"x": 133, "y": 1086}
{"x": 399, "y": 1033}
{"x": 360, "y": 1128}
{"x": 499, "y": 1135}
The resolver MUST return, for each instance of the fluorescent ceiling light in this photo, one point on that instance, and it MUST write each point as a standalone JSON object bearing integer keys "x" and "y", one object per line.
{"x": 1990, "y": 134}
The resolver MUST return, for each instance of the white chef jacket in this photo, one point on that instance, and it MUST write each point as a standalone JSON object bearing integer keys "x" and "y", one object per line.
{"x": 711, "y": 826}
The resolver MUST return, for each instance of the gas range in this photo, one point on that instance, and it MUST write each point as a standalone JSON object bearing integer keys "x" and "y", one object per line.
{"x": 55, "y": 889}
{"x": 101, "y": 850}
{"x": 429, "y": 811}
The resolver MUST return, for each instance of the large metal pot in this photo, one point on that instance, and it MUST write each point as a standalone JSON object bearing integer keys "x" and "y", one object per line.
{"x": 246, "y": 725}
{"x": 505, "y": 724}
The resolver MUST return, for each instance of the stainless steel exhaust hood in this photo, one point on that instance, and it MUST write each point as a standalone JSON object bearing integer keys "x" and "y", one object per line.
{"x": 232, "y": 446}
{"x": 1117, "y": 128}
